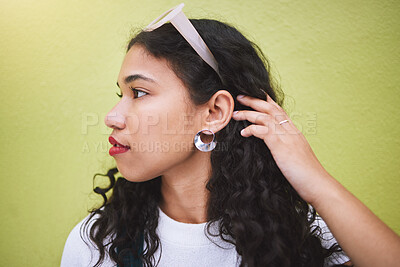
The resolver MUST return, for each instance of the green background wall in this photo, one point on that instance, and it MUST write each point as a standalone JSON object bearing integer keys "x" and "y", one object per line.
{"x": 337, "y": 61}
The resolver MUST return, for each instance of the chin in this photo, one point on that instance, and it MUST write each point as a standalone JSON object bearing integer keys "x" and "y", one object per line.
{"x": 133, "y": 176}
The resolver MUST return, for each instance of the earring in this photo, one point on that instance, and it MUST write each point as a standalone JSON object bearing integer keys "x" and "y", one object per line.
{"x": 205, "y": 147}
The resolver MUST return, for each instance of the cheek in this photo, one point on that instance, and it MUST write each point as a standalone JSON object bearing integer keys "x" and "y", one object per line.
{"x": 177, "y": 129}
{"x": 166, "y": 130}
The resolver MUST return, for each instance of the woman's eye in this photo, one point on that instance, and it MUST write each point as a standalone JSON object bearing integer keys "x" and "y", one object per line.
{"x": 136, "y": 93}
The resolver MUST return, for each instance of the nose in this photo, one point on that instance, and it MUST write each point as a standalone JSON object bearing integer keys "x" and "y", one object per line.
{"x": 114, "y": 120}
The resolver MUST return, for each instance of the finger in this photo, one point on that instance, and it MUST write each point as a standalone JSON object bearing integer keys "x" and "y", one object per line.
{"x": 252, "y": 116}
{"x": 289, "y": 126}
{"x": 270, "y": 100}
{"x": 284, "y": 121}
{"x": 257, "y": 104}
{"x": 260, "y": 118}
{"x": 270, "y": 131}
{"x": 263, "y": 119}
{"x": 283, "y": 116}
{"x": 272, "y": 108}
{"x": 269, "y": 134}
{"x": 259, "y": 131}
{"x": 280, "y": 118}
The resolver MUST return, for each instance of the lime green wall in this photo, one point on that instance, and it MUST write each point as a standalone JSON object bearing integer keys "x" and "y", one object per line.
{"x": 59, "y": 61}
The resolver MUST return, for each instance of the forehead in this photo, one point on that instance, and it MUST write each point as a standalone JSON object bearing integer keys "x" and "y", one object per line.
{"x": 139, "y": 61}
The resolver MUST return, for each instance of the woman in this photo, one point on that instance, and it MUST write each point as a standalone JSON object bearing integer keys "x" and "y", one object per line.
{"x": 189, "y": 163}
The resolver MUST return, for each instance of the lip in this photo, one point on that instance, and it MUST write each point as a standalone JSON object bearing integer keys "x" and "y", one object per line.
{"x": 116, "y": 149}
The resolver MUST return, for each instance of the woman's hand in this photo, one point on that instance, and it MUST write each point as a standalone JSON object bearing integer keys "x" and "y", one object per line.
{"x": 289, "y": 148}
{"x": 350, "y": 221}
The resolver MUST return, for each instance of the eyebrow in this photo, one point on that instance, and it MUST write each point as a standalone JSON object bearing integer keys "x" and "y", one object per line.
{"x": 135, "y": 77}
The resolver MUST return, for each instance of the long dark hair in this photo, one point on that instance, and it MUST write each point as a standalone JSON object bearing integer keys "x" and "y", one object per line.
{"x": 270, "y": 224}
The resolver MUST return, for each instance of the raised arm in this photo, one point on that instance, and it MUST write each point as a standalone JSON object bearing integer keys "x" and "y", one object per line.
{"x": 361, "y": 234}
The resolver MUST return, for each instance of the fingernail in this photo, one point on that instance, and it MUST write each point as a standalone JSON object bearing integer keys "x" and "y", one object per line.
{"x": 235, "y": 112}
{"x": 240, "y": 96}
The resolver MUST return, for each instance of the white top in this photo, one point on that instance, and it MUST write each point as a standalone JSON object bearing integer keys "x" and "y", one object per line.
{"x": 183, "y": 245}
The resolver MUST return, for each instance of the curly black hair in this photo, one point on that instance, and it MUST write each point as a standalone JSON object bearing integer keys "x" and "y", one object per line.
{"x": 270, "y": 224}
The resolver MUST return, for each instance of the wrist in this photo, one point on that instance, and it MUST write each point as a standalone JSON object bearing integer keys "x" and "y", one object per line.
{"x": 327, "y": 192}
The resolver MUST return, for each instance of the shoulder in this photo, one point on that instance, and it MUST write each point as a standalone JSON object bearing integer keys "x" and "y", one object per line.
{"x": 327, "y": 240}
{"x": 79, "y": 249}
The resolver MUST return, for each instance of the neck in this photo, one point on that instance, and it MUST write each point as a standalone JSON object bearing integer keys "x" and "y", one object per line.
{"x": 183, "y": 189}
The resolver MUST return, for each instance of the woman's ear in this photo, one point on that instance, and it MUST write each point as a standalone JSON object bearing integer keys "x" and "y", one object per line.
{"x": 218, "y": 111}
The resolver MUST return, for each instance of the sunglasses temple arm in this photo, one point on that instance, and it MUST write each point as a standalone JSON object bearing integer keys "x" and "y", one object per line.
{"x": 187, "y": 30}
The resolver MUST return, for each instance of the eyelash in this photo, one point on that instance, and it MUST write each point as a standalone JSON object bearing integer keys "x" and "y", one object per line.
{"x": 133, "y": 90}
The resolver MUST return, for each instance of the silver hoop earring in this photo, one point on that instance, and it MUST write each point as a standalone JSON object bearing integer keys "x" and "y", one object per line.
{"x": 205, "y": 147}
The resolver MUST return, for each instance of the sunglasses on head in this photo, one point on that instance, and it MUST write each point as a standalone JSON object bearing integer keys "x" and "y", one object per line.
{"x": 186, "y": 29}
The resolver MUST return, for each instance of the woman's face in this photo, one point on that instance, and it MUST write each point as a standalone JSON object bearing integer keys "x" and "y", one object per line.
{"x": 158, "y": 122}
